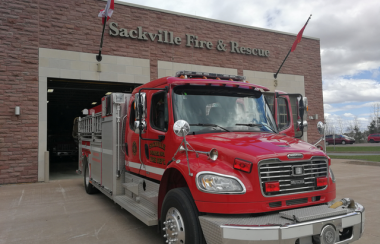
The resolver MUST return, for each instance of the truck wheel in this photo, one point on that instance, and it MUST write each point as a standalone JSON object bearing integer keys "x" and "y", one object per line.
{"x": 327, "y": 143}
{"x": 343, "y": 142}
{"x": 90, "y": 189}
{"x": 179, "y": 218}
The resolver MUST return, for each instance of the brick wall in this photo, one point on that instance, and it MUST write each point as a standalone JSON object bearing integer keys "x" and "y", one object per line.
{"x": 18, "y": 87}
{"x": 73, "y": 25}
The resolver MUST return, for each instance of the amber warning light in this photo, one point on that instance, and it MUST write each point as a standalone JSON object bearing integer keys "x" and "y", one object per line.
{"x": 321, "y": 181}
{"x": 272, "y": 186}
{"x": 242, "y": 165}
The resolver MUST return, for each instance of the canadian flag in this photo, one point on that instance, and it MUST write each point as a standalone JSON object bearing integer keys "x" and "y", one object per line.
{"x": 107, "y": 11}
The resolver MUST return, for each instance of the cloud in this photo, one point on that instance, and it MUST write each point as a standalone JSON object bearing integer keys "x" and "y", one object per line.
{"x": 349, "y": 115}
{"x": 375, "y": 74}
{"x": 353, "y": 90}
{"x": 332, "y": 109}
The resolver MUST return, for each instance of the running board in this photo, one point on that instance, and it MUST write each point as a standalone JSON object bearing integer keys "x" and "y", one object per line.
{"x": 145, "y": 215}
{"x": 140, "y": 199}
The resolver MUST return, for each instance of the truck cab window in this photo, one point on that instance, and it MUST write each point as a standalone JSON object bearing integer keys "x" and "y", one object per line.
{"x": 132, "y": 116}
{"x": 159, "y": 112}
{"x": 212, "y": 109}
{"x": 282, "y": 114}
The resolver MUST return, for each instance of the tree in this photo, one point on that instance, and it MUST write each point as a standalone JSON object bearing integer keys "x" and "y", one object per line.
{"x": 353, "y": 130}
{"x": 374, "y": 126}
{"x": 330, "y": 130}
{"x": 340, "y": 125}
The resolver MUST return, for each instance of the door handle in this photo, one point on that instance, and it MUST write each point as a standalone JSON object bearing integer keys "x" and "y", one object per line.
{"x": 146, "y": 151}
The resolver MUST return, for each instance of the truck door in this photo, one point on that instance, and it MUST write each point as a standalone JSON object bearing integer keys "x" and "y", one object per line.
{"x": 132, "y": 145}
{"x": 157, "y": 127}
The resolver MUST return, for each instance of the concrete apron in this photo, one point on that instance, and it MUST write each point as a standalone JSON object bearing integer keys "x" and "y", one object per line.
{"x": 61, "y": 212}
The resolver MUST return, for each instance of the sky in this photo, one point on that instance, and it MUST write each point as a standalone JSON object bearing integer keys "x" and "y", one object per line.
{"x": 349, "y": 32}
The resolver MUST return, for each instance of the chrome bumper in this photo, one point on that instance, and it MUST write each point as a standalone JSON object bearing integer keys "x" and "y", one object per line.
{"x": 272, "y": 228}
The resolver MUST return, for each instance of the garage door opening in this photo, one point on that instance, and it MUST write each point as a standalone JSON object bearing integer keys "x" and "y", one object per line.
{"x": 66, "y": 99}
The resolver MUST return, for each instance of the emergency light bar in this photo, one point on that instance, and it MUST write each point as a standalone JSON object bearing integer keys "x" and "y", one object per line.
{"x": 201, "y": 75}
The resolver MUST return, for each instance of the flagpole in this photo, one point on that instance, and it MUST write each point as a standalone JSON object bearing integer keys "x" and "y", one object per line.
{"x": 99, "y": 56}
{"x": 275, "y": 75}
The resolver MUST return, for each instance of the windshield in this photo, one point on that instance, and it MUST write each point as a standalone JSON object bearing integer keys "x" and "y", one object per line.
{"x": 217, "y": 109}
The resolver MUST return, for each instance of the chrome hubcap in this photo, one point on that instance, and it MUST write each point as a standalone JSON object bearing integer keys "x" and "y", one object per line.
{"x": 174, "y": 227}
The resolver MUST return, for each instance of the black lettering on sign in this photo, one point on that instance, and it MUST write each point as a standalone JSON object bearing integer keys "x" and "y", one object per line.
{"x": 157, "y": 153}
{"x": 157, "y": 144}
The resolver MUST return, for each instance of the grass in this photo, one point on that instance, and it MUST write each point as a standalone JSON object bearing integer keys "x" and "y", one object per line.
{"x": 373, "y": 158}
{"x": 353, "y": 149}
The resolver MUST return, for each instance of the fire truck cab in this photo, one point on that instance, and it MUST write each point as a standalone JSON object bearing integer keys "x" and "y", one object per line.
{"x": 210, "y": 158}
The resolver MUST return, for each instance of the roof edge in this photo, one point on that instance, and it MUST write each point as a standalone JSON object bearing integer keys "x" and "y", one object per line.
{"x": 208, "y": 19}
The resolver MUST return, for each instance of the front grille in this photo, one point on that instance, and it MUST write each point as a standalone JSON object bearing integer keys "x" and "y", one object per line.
{"x": 283, "y": 172}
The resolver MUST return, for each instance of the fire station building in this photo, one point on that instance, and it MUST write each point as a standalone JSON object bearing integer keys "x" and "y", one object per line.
{"x": 49, "y": 72}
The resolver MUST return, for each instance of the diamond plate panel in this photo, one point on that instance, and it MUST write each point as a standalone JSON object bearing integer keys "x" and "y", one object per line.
{"x": 312, "y": 213}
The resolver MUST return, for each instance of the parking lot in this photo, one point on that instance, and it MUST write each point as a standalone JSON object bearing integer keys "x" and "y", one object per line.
{"x": 61, "y": 212}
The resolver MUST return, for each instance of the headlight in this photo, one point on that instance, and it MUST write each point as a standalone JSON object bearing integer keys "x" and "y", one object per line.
{"x": 220, "y": 184}
{"x": 332, "y": 175}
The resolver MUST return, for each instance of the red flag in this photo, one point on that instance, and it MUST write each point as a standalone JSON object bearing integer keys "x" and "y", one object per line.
{"x": 107, "y": 11}
{"x": 299, "y": 36}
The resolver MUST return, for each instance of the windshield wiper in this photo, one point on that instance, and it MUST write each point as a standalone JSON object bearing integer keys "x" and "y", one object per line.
{"x": 213, "y": 125}
{"x": 251, "y": 125}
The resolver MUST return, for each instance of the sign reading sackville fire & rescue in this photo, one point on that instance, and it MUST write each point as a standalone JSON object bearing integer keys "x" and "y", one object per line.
{"x": 167, "y": 37}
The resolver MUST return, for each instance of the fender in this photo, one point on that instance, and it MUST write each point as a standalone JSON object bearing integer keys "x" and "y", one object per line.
{"x": 179, "y": 177}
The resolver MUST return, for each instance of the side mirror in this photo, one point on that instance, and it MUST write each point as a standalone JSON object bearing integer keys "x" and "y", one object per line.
{"x": 302, "y": 112}
{"x": 181, "y": 128}
{"x": 140, "y": 109}
{"x": 321, "y": 127}
{"x": 140, "y": 105}
{"x": 303, "y": 107}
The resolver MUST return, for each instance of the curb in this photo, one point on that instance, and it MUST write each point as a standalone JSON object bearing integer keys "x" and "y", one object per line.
{"x": 370, "y": 163}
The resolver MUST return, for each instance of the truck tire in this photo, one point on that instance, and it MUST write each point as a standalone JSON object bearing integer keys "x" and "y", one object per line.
{"x": 343, "y": 143}
{"x": 371, "y": 141}
{"x": 179, "y": 216}
{"x": 90, "y": 189}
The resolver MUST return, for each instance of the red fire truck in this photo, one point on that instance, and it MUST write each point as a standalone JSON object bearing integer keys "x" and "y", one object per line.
{"x": 211, "y": 159}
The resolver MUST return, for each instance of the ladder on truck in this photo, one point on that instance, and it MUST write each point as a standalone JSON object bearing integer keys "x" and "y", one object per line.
{"x": 101, "y": 141}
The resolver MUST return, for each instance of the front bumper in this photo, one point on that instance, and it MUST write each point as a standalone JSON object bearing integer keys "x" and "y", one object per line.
{"x": 272, "y": 228}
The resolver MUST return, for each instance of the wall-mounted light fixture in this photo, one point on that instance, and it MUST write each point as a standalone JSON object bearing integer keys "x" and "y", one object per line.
{"x": 17, "y": 110}
{"x": 313, "y": 116}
